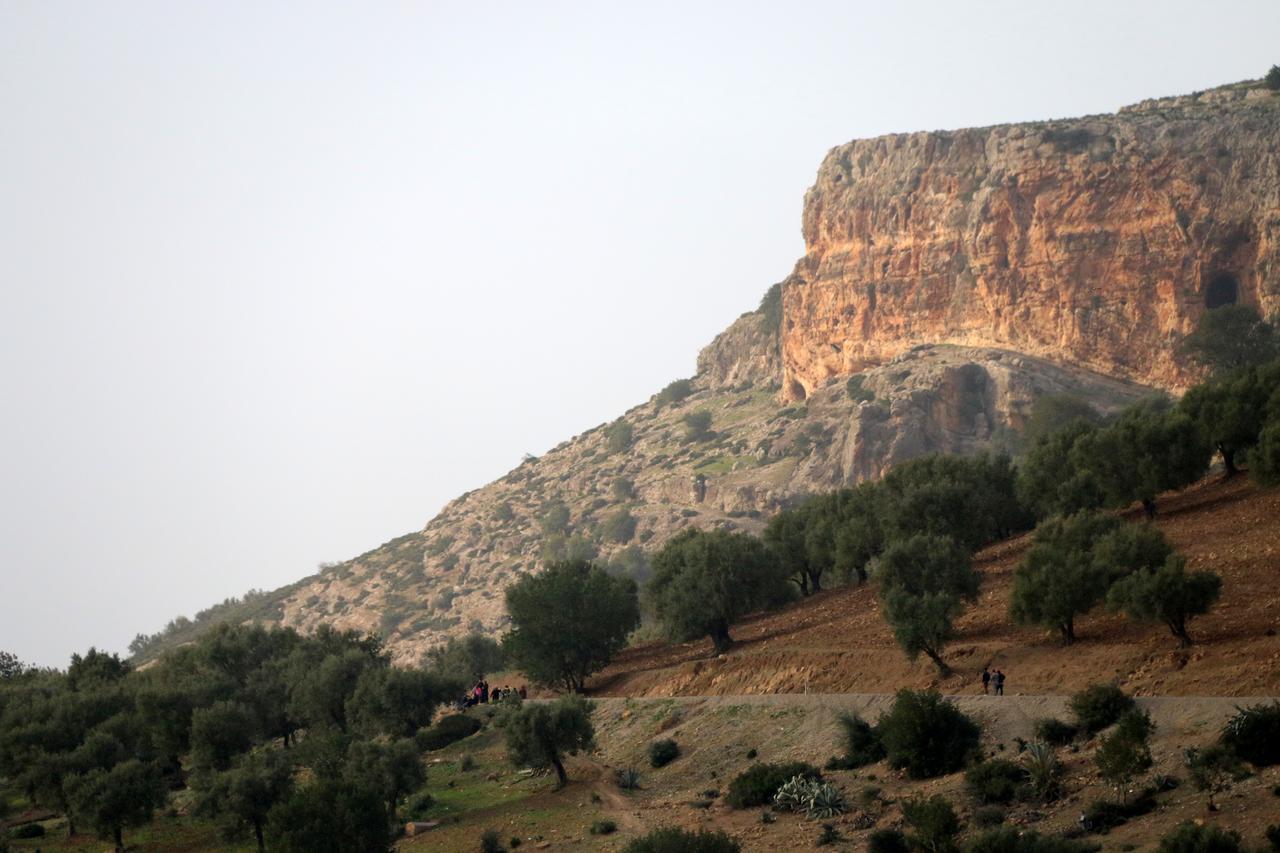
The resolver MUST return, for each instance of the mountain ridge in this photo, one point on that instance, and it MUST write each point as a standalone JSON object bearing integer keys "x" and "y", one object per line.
{"x": 828, "y": 382}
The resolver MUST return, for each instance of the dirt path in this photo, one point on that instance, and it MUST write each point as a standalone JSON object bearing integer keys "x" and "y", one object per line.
{"x": 620, "y": 807}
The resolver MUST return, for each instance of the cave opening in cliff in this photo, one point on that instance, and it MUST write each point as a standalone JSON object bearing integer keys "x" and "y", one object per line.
{"x": 1222, "y": 290}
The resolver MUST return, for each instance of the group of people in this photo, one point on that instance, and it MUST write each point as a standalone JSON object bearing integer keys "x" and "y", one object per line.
{"x": 992, "y": 680}
{"x": 480, "y": 694}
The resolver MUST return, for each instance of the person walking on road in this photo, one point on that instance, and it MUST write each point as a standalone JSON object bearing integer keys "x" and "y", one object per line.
{"x": 986, "y": 680}
{"x": 999, "y": 679}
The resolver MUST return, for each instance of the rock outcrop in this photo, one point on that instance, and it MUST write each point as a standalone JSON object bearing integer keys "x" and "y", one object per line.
{"x": 746, "y": 352}
{"x": 1097, "y": 241}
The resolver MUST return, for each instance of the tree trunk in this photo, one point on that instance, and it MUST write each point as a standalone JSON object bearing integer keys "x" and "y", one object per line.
{"x": 1179, "y": 629}
{"x": 71, "y": 821}
{"x": 720, "y": 637}
{"x": 560, "y": 774}
{"x": 257, "y": 833}
{"x": 815, "y": 585}
{"x": 1228, "y": 462}
{"x": 1068, "y": 629}
{"x": 803, "y": 583}
{"x": 119, "y": 834}
{"x": 1149, "y": 507}
{"x": 943, "y": 669}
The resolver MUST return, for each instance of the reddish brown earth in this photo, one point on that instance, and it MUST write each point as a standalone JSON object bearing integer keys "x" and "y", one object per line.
{"x": 837, "y": 642}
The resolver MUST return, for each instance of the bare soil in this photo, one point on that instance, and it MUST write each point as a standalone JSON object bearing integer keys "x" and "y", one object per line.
{"x": 837, "y": 642}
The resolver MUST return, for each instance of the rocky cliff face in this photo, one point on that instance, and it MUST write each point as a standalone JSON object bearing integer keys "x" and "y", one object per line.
{"x": 1096, "y": 241}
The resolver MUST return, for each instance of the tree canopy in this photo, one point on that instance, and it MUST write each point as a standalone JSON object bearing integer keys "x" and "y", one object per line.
{"x": 704, "y": 580}
{"x": 924, "y": 582}
{"x": 1231, "y": 337}
{"x": 568, "y": 621}
{"x": 540, "y": 735}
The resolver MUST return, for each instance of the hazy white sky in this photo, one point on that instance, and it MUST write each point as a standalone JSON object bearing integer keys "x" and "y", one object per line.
{"x": 277, "y": 280}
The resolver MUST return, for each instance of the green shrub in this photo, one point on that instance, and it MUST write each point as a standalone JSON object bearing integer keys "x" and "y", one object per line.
{"x": 1105, "y": 815}
{"x": 1190, "y": 838}
{"x": 757, "y": 785}
{"x": 856, "y": 392}
{"x": 1272, "y": 80}
{"x": 449, "y": 730}
{"x": 604, "y": 827}
{"x": 1056, "y": 732}
{"x": 995, "y": 781}
{"x": 829, "y": 835}
{"x": 887, "y": 841}
{"x": 673, "y": 840}
{"x": 673, "y": 393}
{"x": 622, "y": 489}
{"x": 1273, "y": 836}
{"x": 1098, "y": 706}
{"x": 663, "y": 752}
{"x": 926, "y": 735}
{"x": 419, "y": 806}
{"x": 1009, "y": 839}
{"x": 862, "y": 745}
{"x": 988, "y": 816}
{"x": 933, "y": 822}
{"x": 491, "y": 842}
{"x": 26, "y": 830}
{"x": 618, "y": 436}
{"x": 619, "y": 527}
{"x": 1254, "y": 734}
{"x": 697, "y": 425}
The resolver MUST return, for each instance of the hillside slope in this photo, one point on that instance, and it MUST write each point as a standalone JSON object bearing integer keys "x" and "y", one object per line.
{"x": 929, "y": 260}
{"x": 837, "y": 642}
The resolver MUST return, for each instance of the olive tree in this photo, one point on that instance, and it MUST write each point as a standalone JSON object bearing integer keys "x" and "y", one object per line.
{"x": 1231, "y": 337}
{"x": 1232, "y": 411}
{"x": 924, "y": 582}
{"x": 568, "y": 622}
{"x": 541, "y": 734}
{"x": 1167, "y": 594}
{"x": 242, "y": 797}
{"x": 704, "y": 580}
{"x": 1059, "y": 578}
{"x": 112, "y": 800}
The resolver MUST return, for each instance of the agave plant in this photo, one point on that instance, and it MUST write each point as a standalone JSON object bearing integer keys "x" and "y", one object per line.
{"x": 1044, "y": 771}
{"x": 628, "y": 778}
{"x": 825, "y": 801}
{"x": 795, "y": 793}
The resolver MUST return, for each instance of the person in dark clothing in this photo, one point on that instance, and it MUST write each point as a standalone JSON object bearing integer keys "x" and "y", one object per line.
{"x": 986, "y": 679}
{"x": 484, "y": 692}
{"x": 999, "y": 679}
{"x": 524, "y": 694}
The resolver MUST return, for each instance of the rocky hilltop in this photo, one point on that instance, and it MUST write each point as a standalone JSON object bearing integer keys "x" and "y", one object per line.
{"x": 949, "y": 280}
{"x": 1096, "y": 241}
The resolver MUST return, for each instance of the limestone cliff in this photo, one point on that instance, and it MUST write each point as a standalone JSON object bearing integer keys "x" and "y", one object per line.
{"x": 1095, "y": 241}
